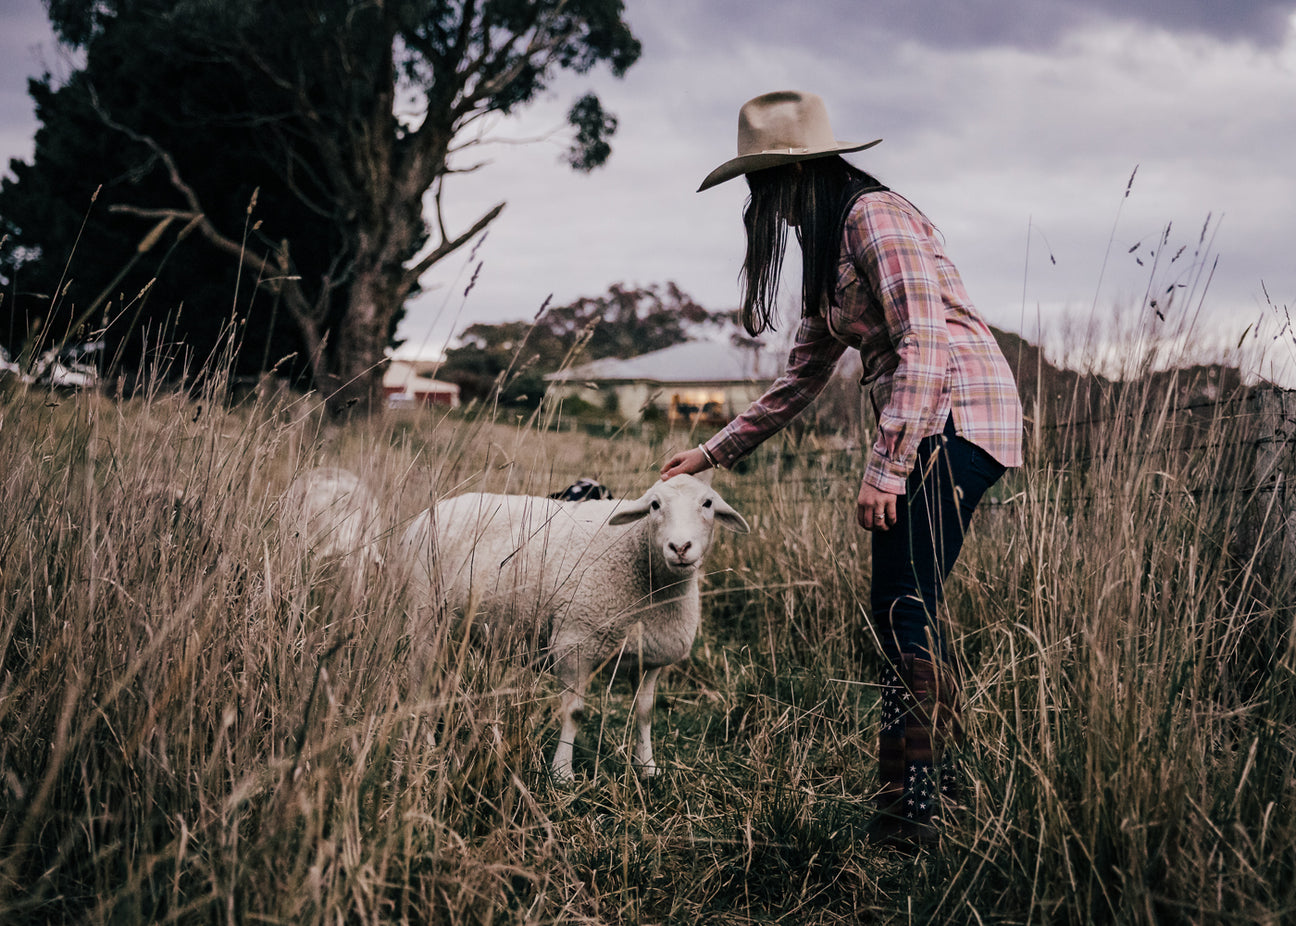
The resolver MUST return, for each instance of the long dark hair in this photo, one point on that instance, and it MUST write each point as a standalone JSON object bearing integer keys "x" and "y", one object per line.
{"x": 811, "y": 194}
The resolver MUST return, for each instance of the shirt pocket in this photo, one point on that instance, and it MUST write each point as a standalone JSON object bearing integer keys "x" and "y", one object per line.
{"x": 846, "y": 315}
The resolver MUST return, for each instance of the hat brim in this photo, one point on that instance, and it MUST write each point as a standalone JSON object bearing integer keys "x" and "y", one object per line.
{"x": 746, "y": 163}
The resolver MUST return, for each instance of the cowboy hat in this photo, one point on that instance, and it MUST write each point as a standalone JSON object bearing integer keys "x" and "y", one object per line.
{"x": 780, "y": 128}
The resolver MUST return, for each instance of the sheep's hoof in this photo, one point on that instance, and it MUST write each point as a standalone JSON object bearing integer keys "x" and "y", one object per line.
{"x": 563, "y": 777}
{"x": 647, "y": 770}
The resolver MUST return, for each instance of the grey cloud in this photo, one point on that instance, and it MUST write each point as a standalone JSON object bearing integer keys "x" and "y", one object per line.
{"x": 1262, "y": 22}
{"x": 1028, "y": 24}
{"x": 1032, "y": 24}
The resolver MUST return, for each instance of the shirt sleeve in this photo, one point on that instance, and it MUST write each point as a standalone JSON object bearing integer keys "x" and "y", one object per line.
{"x": 895, "y": 252}
{"x": 814, "y": 354}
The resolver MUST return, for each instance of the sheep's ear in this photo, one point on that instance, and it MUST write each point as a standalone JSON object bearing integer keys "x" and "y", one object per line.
{"x": 729, "y": 519}
{"x": 630, "y": 512}
{"x": 705, "y": 476}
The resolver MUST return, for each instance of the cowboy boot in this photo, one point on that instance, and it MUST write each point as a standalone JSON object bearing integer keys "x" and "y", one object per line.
{"x": 933, "y": 728}
{"x": 920, "y": 719}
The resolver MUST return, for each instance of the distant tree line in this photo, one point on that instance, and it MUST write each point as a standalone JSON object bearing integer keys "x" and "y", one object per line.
{"x": 508, "y": 361}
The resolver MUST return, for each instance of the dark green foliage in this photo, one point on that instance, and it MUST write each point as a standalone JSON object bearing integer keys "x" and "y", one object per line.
{"x": 593, "y": 128}
{"x": 185, "y": 109}
{"x": 69, "y": 277}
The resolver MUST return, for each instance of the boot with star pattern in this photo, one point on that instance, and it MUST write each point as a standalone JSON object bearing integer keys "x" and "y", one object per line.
{"x": 920, "y": 720}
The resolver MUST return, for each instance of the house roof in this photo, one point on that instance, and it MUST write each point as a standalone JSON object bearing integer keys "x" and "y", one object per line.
{"x": 689, "y": 362}
{"x": 402, "y": 375}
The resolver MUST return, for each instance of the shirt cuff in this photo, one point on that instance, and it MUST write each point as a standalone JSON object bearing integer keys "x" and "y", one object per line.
{"x": 724, "y": 450}
{"x": 884, "y": 475}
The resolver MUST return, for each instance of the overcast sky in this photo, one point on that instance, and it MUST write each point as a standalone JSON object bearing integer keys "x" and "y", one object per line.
{"x": 1014, "y": 124}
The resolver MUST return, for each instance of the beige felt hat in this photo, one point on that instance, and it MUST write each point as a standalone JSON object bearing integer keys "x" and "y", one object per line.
{"x": 780, "y": 128}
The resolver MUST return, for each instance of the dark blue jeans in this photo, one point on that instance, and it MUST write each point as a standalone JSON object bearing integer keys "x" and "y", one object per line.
{"x": 912, "y": 560}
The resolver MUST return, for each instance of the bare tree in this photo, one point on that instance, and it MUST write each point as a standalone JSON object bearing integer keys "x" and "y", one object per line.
{"x": 321, "y": 81}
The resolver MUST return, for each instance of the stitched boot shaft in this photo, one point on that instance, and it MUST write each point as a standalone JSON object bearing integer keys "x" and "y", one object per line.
{"x": 933, "y": 726}
{"x": 920, "y": 719}
{"x": 891, "y": 759}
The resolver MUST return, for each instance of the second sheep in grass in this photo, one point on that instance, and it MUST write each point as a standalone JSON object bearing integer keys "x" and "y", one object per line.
{"x": 596, "y": 583}
{"x": 335, "y": 519}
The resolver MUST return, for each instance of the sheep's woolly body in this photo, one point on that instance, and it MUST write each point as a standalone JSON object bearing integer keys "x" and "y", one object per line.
{"x": 335, "y": 517}
{"x": 600, "y": 583}
{"x": 558, "y": 572}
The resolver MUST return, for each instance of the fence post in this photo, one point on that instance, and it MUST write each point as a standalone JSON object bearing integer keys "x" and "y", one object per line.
{"x": 1275, "y": 462}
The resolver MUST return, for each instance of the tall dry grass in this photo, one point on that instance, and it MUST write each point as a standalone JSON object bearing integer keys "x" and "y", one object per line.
{"x": 199, "y": 722}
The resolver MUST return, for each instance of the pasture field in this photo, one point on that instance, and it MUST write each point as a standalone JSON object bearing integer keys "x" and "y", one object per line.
{"x": 200, "y": 723}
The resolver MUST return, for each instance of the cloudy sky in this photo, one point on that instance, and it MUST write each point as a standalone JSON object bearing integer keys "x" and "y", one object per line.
{"x": 1015, "y": 124}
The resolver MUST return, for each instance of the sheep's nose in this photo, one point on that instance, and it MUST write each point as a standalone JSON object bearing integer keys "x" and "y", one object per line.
{"x": 679, "y": 549}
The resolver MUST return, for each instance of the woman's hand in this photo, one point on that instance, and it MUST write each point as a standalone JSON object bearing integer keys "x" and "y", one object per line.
{"x": 877, "y": 509}
{"x": 687, "y": 463}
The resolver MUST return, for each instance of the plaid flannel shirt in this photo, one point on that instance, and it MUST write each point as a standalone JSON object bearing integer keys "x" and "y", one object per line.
{"x": 926, "y": 351}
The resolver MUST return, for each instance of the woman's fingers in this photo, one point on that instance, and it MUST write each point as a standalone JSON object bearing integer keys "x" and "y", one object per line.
{"x": 688, "y": 462}
{"x": 876, "y": 510}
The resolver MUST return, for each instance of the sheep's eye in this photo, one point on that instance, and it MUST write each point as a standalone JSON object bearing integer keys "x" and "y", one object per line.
{"x": 707, "y": 503}
{"x": 654, "y": 504}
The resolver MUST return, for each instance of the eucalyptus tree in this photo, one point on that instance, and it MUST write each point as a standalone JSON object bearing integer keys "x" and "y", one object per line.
{"x": 356, "y": 114}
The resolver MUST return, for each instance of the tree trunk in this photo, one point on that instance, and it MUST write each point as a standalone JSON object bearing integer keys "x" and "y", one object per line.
{"x": 354, "y": 359}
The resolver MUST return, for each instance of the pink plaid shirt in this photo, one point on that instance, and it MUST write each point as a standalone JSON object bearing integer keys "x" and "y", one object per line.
{"x": 927, "y": 354}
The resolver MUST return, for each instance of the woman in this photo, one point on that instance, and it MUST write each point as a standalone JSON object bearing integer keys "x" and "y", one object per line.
{"x": 875, "y": 278}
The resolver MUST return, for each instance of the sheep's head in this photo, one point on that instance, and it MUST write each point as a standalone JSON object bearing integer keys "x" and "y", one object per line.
{"x": 682, "y": 513}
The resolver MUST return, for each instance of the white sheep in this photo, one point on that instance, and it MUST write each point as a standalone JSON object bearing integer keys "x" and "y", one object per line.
{"x": 597, "y": 583}
{"x": 336, "y": 518}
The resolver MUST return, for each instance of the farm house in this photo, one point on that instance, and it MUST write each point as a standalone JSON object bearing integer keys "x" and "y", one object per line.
{"x": 405, "y": 386}
{"x": 697, "y": 382}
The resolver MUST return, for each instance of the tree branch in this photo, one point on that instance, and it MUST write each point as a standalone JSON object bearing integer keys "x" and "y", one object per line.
{"x": 315, "y": 127}
{"x": 159, "y": 152}
{"x": 285, "y": 280}
{"x": 448, "y": 247}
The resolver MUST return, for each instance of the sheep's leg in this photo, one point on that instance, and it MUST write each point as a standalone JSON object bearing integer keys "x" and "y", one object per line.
{"x": 644, "y": 700}
{"x": 571, "y": 709}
